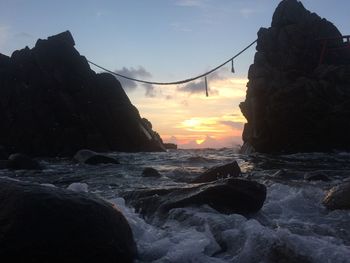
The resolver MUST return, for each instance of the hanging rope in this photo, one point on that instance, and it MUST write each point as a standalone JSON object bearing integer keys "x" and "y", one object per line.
{"x": 180, "y": 81}
{"x": 206, "y": 86}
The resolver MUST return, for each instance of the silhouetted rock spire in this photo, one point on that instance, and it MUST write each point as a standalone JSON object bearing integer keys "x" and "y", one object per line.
{"x": 295, "y": 100}
{"x": 52, "y": 103}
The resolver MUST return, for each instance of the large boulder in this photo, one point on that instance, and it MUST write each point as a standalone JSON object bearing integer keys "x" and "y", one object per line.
{"x": 226, "y": 196}
{"x": 52, "y": 103}
{"x": 338, "y": 197}
{"x": 48, "y": 224}
{"x": 297, "y": 101}
{"x": 219, "y": 172}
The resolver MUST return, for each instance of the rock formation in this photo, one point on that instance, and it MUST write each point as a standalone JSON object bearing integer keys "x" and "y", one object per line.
{"x": 47, "y": 224}
{"x": 298, "y": 100}
{"x": 227, "y": 196}
{"x": 52, "y": 103}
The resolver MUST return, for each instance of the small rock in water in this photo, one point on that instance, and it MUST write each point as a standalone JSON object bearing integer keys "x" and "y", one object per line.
{"x": 46, "y": 224}
{"x": 150, "y": 172}
{"x": 219, "y": 172}
{"x": 170, "y": 146}
{"x": 316, "y": 176}
{"x": 18, "y": 161}
{"x": 338, "y": 197}
{"x": 91, "y": 157}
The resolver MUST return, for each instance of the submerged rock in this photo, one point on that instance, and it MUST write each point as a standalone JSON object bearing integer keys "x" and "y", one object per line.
{"x": 226, "y": 196}
{"x": 91, "y": 157}
{"x": 219, "y": 172}
{"x": 18, "y": 161}
{"x": 338, "y": 197}
{"x": 150, "y": 172}
{"x": 296, "y": 101}
{"x": 47, "y": 224}
{"x": 52, "y": 103}
{"x": 317, "y": 176}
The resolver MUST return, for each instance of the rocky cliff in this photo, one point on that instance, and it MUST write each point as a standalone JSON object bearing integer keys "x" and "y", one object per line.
{"x": 298, "y": 100}
{"x": 52, "y": 103}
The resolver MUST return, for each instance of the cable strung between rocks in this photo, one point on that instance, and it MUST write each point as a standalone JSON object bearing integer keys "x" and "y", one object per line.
{"x": 175, "y": 82}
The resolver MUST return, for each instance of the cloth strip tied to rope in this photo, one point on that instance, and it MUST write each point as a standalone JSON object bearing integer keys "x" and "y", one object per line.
{"x": 179, "y": 81}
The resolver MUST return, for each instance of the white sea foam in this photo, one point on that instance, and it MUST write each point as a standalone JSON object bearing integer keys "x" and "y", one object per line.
{"x": 78, "y": 187}
{"x": 48, "y": 185}
{"x": 292, "y": 225}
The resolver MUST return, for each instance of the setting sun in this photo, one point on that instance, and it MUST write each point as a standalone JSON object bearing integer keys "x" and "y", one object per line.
{"x": 191, "y": 123}
{"x": 200, "y": 141}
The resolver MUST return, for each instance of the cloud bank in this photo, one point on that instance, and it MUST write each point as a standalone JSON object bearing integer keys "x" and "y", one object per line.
{"x": 138, "y": 73}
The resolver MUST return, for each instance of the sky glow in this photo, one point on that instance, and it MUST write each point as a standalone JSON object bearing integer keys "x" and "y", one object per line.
{"x": 164, "y": 40}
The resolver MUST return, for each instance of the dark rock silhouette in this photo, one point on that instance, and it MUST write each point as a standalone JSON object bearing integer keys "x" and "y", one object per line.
{"x": 52, "y": 103}
{"x": 90, "y": 157}
{"x": 219, "y": 172}
{"x": 296, "y": 101}
{"x": 170, "y": 146}
{"x": 150, "y": 172}
{"x": 226, "y": 196}
{"x": 48, "y": 224}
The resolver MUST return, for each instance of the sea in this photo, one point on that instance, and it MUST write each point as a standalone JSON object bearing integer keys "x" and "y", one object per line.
{"x": 292, "y": 226}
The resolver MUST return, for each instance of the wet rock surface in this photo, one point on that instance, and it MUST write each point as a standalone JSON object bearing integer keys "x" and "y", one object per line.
{"x": 219, "y": 172}
{"x": 48, "y": 224}
{"x": 52, "y": 103}
{"x": 297, "y": 101}
{"x": 226, "y": 196}
{"x": 338, "y": 197}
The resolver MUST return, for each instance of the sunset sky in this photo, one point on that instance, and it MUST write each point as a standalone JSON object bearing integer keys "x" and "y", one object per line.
{"x": 164, "y": 40}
